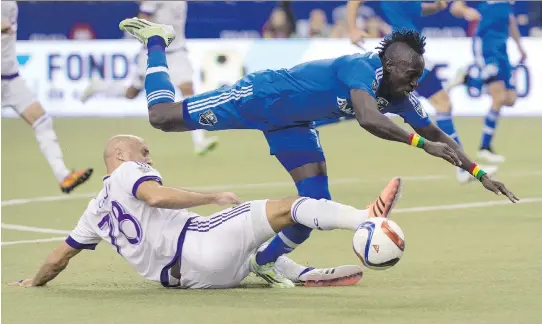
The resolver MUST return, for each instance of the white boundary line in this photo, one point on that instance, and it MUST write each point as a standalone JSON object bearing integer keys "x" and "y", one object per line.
{"x": 478, "y": 204}
{"x": 52, "y": 239}
{"x": 24, "y": 201}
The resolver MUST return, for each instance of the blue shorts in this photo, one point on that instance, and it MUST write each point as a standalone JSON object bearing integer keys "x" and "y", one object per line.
{"x": 429, "y": 84}
{"x": 238, "y": 107}
{"x": 492, "y": 58}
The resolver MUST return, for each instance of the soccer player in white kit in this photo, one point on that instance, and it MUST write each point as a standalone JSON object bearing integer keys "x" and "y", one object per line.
{"x": 17, "y": 95}
{"x": 147, "y": 224}
{"x": 170, "y": 13}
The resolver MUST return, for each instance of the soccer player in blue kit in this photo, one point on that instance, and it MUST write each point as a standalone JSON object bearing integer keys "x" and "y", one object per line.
{"x": 284, "y": 104}
{"x": 407, "y": 14}
{"x": 490, "y": 53}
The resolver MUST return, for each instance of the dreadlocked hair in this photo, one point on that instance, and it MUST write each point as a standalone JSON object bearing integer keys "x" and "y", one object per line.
{"x": 410, "y": 37}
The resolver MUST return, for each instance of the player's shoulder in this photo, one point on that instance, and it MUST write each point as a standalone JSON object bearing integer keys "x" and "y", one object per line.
{"x": 134, "y": 169}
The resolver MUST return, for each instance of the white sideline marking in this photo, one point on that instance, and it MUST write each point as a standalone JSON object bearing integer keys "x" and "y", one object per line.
{"x": 52, "y": 239}
{"x": 478, "y": 204}
{"x": 24, "y": 201}
{"x": 33, "y": 229}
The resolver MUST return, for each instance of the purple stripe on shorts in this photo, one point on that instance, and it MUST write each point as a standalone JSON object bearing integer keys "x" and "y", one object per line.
{"x": 294, "y": 209}
{"x": 79, "y": 246}
{"x": 164, "y": 274}
{"x": 219, "y": 216}
{"x": 143, "y": 179}
{"x": 10, "y": 76}
{"x": 207, "y": 226}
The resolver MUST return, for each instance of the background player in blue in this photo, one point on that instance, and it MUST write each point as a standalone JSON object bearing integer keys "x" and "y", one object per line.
{"x": 490, "y": 53}
{"x": 407, "y": 14}
{"x": 284, "y": 104}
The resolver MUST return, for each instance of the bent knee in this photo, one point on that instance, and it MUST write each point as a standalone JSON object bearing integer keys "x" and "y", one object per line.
{"x": 441, "y": 101}
{"x": 510, "y": 98}
{"x": 167, "y": 117}
{"x": 279, "y": 212}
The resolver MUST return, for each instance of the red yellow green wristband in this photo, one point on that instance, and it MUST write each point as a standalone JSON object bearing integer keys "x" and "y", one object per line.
{"x": 416, "y": 140}
{"x": 476, "y": 171}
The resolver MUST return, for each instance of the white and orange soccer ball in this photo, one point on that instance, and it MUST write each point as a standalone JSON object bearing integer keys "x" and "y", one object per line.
{"x": 379, "y": 243}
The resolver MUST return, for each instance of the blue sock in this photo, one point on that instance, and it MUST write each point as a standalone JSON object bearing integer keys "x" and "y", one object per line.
{"x": 446, "y": 124}
{"x": 490, "y": 123}
{"x": 157, "y": 83}
{"x": 289, "y": 238}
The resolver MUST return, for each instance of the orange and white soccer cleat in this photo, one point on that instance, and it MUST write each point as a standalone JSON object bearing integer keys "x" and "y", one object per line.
{"x": 75, "y": 179}
{"x": 383, "y": 205}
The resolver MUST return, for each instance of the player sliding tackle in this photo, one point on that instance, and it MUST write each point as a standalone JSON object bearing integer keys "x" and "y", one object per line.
{"x": 147, "y": 224}
{"x": 285, "y": 103}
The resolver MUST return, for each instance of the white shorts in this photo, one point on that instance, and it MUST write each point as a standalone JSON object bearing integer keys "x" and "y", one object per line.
{"x": 16, "y": 94}
{"x": 216, "y": 249}
{"x": 180, "y": 68}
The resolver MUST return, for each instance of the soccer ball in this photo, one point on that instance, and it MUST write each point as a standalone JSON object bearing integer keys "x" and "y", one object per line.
{"x": 379, "y": 243}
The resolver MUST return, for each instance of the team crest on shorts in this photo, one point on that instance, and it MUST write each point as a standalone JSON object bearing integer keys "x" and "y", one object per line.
{"x": 208, "y": 118}
{"x": 382, "y": 103}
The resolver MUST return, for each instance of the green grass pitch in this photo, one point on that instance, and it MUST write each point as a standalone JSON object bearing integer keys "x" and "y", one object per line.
{"x": 462, "y": 264}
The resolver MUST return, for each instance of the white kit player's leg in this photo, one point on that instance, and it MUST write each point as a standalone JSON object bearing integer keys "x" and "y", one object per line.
{"x": 48, "y": 143}
{"x": 321, "y": 214}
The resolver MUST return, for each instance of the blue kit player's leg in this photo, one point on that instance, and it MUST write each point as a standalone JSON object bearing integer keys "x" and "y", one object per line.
{"x": 497, "y": 74}
{"x": 431, "y": 88}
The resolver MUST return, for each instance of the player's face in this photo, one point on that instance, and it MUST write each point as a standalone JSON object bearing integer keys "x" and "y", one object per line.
{"x": 404, "y": 76}
{"x": 141, "y": 153}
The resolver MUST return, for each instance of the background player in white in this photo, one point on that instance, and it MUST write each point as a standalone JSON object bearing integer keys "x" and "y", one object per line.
{"x": 146, "y": 224}
{"x": 170, "y": 13}
{"x": 17, "y": 95}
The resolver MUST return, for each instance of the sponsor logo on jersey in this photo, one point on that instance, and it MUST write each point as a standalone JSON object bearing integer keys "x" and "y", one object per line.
{"x": 382, "y": 103}
{"x": 208, "y": 118}
{"x": 345, "y": 106}
{"x": 143, "y": 167}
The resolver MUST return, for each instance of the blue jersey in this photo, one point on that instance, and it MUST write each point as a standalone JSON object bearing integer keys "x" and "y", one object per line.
{"x": 402, "y": 14}
{"x": 316, "y": 90}
{"x": 495, "y": 21}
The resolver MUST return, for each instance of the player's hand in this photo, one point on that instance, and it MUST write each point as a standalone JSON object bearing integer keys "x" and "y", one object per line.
{"x": 472, "y": 14}
{"x": 498, "y": 188}
{"x": 442, "y": 150}
{"x": 22, "y": 283}
{"x": 226, "y": 198}
{"x": 441, "y": 4}
{"x": 357, "y": 37}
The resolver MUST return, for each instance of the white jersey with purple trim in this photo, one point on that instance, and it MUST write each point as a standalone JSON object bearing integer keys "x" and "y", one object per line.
{"x": 147, "y": 237}
{"x": 168, "y": 13}
{"x": 10, "y": 65}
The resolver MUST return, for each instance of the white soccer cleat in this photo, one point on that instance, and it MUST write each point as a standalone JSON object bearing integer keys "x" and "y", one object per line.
{"x": 208, "y": 145}
{"x": 491, "y": 157}
{"x": 96, "y": 85}
{"x": 464, "y": 177}
{"x": 458, "y": 79}
{"x": 345, "y": 275}
{"x": 143, "y": 30}
{"x": 270, "y": 274}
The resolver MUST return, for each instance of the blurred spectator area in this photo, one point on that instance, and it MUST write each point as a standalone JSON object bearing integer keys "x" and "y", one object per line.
{"x": 232, "y": 19}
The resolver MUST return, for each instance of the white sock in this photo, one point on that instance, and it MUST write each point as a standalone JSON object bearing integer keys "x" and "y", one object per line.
{"x": 289, "y": 268}
{"x": 326, "y": 214}
{"x": 198, "y": 137}
{"x": 48, "y": 143}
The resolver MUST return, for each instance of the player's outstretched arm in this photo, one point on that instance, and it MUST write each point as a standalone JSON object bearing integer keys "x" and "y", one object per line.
{"x": 356, "y": 35}
{"x": 368, "y": 116}
{"x": 54, "y": 264}
{"x": 433, "y": 133}
{"x": 156, "y": 195}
